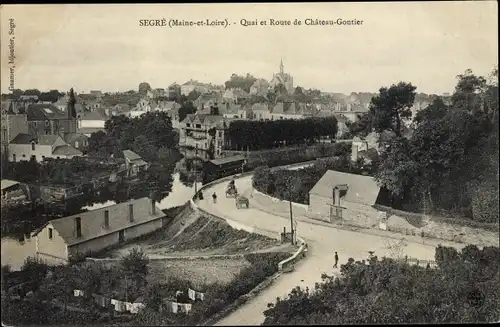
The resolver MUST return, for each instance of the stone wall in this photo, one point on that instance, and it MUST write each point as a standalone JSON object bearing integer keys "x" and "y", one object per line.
{"x": 277, "y": 206}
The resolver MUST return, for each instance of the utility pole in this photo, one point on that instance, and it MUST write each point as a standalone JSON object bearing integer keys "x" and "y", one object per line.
{"x": 195, "y": 172}
{"x": 291, "y": 217}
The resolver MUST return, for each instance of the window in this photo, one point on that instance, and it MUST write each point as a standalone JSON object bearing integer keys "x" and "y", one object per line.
{"x": 14, "y": 157}
{"x": 188, "y": 125}
{"x": 131, "y": 212}
{"x": 32, "y": 146}
{"x": 76, "y": 144}
{"x": 47, "y": 123}
{"x": 33, "y": 157}
{"x": 106, "y": 218}
{"x": 78, "y": 227}
{"x": 338, "y": 212}
{"x": 50, "y": 233}
{"x": 198, "y": 125}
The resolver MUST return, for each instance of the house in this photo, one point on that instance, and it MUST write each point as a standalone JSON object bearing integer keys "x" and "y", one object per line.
{"x": 78, "y": 141}
{"x": 96, "y": 93}
{"x": 234, "y": 95}
{"x": 344, "y": 198}
{"x": 12, "y": 125}
{"x": 93, "y": 119}
{"x": 282, "y": 78}
{"x": 192, "y": 85}
{"x": 48, "y": 119}
{"x": 260, "y": 111}
{"x": 145, "y": 105}
{"x": 62, "y": 105}
{"x": 13, "y": 193}
{"x": 24, "y": 147}
{"x": 287, "y": 110}
{"x": 363, "y": 147}
{"x": 200, "y": 134}
{"x": 134, "y": 163}
{"x": 259, "y": 87}
{"x": 89, "y": 232}
{"x": 233, "y": 111}
{"x": 167, "y": 106}
{"x": 207, "y": 100}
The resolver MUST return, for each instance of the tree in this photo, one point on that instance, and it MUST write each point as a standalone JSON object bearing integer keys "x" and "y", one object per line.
{"x": 392, "y": 106}
{"x": 135, "y": 268}
{"x": 187, "y": 108}
{"x": 280, "y": 90}
{"x": 193, "y": 96}
{"x": 71, "y": 103}
{"x": 240, "y": 82}
{"x": 144, "y": 88}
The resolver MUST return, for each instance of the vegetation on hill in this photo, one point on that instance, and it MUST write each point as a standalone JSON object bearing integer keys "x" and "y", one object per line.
{"x": 463, "y": 288}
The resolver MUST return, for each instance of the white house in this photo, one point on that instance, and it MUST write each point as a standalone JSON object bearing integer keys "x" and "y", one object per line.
{"x": 24, "y": 147}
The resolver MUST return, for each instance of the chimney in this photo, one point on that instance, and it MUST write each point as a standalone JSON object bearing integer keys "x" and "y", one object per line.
{"x": 152, "y": 197}
{"x": 78, "y": 227}
{"x": 354, "y": 152}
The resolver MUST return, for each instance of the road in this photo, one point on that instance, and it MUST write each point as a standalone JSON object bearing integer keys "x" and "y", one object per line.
{"x": 323, "y": 242}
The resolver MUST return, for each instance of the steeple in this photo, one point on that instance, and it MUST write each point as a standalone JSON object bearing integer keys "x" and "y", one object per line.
{"x": 282, "y": 67}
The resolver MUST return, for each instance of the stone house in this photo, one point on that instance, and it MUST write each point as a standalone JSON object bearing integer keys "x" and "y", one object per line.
{"x": 24, "y": 147}
{"x": 89, "y": 232}
{"x": 345, "y": 198}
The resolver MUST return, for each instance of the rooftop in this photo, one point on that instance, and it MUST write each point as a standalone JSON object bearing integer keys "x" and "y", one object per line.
{"x": 92, "y": 222}
{"x": 360, "y": 189}
{"x": 221, "y": 161}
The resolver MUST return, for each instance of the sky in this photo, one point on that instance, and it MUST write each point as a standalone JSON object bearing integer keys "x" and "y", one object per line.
{"x": 102, "y": 47}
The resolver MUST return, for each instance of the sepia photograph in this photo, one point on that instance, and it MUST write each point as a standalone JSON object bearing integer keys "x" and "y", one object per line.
{"x": 229, "y": 164}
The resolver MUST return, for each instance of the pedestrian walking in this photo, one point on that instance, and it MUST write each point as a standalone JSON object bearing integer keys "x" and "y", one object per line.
{"x": 214, "y": 196}
{"x": 336, "y": 260}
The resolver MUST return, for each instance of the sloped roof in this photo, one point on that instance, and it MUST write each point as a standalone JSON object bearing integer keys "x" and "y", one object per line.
{"x": 98, "y": 114}
{"x": 221, "y": 161}
{"x": 22, "y": 138}
{"x": 44, "y": 111}
{"x": 90, "y": 130}
{"x": 47, "y": 139}
{"x": 92, "y": 222}
{"x": 361, "y": 189}
{"x": 71, "y": 137}
{"x": 260, "y": 106}
{"x": 6, "y": 183}
{"x": 131, "y": 155}
{"x": 204, "y": 118}
{"x": 66, "y": 150}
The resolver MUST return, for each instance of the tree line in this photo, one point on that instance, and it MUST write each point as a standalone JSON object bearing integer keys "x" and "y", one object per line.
{"x": 448, "y": 163}
{"x": 258, "y": 135}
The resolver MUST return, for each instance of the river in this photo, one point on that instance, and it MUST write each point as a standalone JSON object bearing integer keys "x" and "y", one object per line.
{"x": 14, "y": 252}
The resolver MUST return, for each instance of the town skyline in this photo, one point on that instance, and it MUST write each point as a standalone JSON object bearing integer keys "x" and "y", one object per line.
{"x": 103, "y": 47}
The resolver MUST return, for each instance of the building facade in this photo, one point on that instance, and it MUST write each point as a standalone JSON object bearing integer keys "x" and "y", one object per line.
{"x": 89, "y": 232}
{"x": 202, "y": 134}
{"x": 345, "y": 198}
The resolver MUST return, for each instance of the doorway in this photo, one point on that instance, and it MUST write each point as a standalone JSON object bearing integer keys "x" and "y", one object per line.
{"x": 121, "y": 236}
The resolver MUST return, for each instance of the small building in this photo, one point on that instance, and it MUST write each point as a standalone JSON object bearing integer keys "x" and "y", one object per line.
{"x": 89, "y": 232}
{"x": 134, "y": 163}
{"x": 93, "y": 119}
{"x": 24, "y": 147}
{"x": 13, "y": 193}
{"x": 345, "y": 198}
{"x": 222, "y": 167}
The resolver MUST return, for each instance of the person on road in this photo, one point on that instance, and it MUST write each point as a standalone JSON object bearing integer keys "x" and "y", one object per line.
{"x": 214, "y": 196}
{"x": 336, "y": 260}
